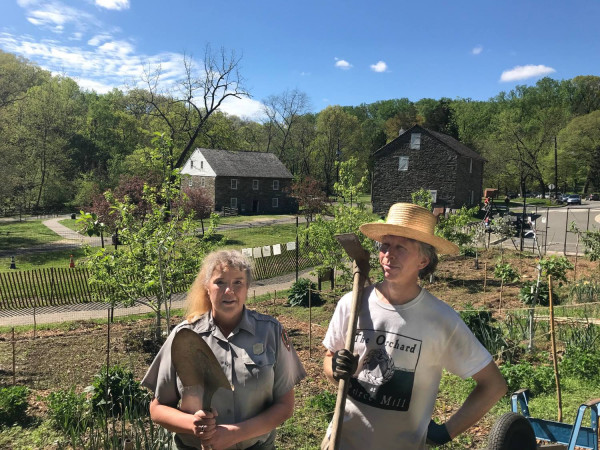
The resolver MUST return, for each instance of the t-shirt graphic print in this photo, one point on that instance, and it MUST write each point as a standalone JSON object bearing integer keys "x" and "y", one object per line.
{"x": 386, "y": 377}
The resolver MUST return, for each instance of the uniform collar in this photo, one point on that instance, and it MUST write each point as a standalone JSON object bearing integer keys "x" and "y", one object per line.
{"x": 206, "y": 324}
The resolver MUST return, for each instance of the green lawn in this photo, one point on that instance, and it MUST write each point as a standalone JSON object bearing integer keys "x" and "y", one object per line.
{"x": 71, "y": 223}
{"x": 259, "y": 236}
{"x": 42, "y": 260}
{"x": 29, "y": 233}
{"x": 242, "y": 219}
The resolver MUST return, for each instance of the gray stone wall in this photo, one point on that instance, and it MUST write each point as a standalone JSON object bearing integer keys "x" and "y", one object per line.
{"x": 254, "y": 201}
{"x": 434, "y": 166}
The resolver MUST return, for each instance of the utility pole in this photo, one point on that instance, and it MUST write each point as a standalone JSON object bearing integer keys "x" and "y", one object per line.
{"x": 555, "y": 169}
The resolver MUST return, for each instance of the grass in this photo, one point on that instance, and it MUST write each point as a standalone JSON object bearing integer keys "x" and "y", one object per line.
{"x": 42, "y": 260}
{"x": 71, "y": 224}
{"x": 259, "y": 236}
{"x": 230, "y": 220}
{"x": 25, "y": 234}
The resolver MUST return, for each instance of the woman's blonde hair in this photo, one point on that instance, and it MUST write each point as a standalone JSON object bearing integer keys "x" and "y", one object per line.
{"x": 197, "y": 300}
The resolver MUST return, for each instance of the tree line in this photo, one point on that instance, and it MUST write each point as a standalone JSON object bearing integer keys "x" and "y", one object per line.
{"x": 62, "y": 146}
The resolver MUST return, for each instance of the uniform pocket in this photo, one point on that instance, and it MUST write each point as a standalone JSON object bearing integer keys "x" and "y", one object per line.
{"x": 259, "y": 367}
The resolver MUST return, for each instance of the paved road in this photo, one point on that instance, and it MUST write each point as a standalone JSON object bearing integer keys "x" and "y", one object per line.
{"x": 553, "y": 225}
{"x": 86, "y": 311}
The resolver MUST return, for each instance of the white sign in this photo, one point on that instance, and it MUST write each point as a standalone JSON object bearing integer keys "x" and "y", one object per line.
{"x": 266, "y": 250}
{"x": 257, "y": 252}
{"x": 277, "y": 249}
{"x": 551, "y": 186}
{"x": 291, "y": 246}
{"x": 247, "y": 252}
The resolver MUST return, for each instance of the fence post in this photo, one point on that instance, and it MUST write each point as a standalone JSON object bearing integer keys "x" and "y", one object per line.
{"x": 546, "y": 231}
{"x": 566, "y": 230}
{"x": 297, "y": 250}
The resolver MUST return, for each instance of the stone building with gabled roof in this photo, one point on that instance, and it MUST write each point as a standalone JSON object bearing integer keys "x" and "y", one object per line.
{"x": 421, "y": 158}
{"x": 250, "y": 182}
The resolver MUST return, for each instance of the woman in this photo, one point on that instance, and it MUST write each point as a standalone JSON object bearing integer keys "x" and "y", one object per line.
{"x": 254, "y": 353}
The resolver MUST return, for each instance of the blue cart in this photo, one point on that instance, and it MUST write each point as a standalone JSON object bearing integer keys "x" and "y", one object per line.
{"x": 520, "y": 431}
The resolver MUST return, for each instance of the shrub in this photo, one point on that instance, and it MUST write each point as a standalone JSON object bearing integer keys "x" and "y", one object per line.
{"x": 527, "y": 294}
{"x": 506, "y": 272}
{"x": 581, "y": 363}
{"x": 538, "y": 379}
{"x": 13, "y": 405}
{"x": 298, "y": 295}
{"x": 69, "y": 411}
{"x": 557, "y": 267}
{"x": 118, "y": 393}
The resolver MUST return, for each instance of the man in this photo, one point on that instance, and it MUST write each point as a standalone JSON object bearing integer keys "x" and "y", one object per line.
{"x": 405, "y": 337}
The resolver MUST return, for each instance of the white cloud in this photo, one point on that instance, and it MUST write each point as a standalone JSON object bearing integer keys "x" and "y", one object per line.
{"x": 524, "y": 72}
{"x": 98, "y": 39}
{"x": 381, "y": 66}
{"x": 92, "y": 85}
{"x": 477, "y": 50}
{"x": 342, "y": 64}
{"x": 243, "y": 107}
{"x": 117, "y": 5}
{"x": 54, "y": 15}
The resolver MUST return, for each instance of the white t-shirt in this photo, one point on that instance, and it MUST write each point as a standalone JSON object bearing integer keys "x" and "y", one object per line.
{"x": 402, "y": 351}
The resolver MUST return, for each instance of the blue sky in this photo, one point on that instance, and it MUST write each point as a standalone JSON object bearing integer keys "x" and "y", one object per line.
{"x": 337, "y": 52}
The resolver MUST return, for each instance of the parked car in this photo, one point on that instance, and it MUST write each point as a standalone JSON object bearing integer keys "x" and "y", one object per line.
{"x": 574, "y": 199}
{"x": 594, "y": 197}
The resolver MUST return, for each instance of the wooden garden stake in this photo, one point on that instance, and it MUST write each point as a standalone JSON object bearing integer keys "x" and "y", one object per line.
{"x": 484, "y": 276}
{"x": 309, "y": 322}
{"x": 14, "y": 358}
{"x": 554, "y": 361}
{"x": 274, "y": 296}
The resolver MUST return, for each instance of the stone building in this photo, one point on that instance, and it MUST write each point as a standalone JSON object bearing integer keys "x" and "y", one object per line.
{"x": 251, "y": 182}
{"x": 421, "y": 158}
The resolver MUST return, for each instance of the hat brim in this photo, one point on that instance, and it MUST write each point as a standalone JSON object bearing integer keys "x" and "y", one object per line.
{"x": 377, "y": 230}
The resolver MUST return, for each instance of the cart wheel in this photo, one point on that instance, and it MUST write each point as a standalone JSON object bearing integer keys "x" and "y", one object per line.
{"x": 512, "y": 431}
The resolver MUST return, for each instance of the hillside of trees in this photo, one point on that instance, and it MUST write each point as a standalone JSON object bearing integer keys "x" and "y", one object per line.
{"x": 62, "y": 146}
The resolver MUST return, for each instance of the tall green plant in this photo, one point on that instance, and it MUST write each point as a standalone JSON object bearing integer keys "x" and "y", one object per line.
{"x": 422, "y": 198}
{"x": 346, "y": 219}
{"x": 458, "y": 227}
{"x": 556, "y": 266}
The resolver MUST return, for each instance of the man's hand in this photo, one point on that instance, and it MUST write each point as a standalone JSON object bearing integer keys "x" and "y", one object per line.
{"x": 437, "y": 434}
{"x": 343, "y": 364}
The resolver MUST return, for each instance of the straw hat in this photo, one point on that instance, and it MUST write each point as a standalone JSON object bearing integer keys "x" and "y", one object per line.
{"x": 410, "y": 221}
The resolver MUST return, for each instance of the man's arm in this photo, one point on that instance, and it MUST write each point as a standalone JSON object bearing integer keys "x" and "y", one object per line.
{"x": 341, "y": 364}
{"x": 327, "y": 367}
{"x": 489, "y": 389}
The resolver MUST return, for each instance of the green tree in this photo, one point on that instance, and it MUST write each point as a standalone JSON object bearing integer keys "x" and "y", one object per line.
{"x": 346, "y": 219}
{"x": 160, "y": 252}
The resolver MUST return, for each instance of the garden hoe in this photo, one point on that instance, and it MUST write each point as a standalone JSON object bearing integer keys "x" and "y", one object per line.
{"x": 199, "y": 372}
{"x": 360, "y": 273}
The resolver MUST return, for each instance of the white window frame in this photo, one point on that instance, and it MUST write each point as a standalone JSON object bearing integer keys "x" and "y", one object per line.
{"x": 233, "y": 202}
{"x": 403, "y": 163}
{"x": 202, "y": 182}
{"x": 255, "y": 185}
{"x": 472, "y": 197}
{"x": 191, "y": 164}
{"x": 234, "y": 183}
{"x": 415, "y": 141}
{"x": 190, "y": 182}
{"x": 275, "y": 185}
{"x": 433, "y": 193}
{"x": 275, "y": 202}
{"x": 202, "y": 164}
{"x": 470, "y": 165}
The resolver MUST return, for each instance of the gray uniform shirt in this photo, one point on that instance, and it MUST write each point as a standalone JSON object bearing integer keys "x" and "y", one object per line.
{"x": 257, "y": 359}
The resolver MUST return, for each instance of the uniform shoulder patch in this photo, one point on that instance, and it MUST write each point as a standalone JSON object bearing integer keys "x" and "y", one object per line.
{"x": 285, "y": 339}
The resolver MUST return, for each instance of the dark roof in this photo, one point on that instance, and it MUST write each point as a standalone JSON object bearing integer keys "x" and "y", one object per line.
{"x": 449, "y": 141}
{"x": 456, "y": 145}
{"x": 229, "y": 163}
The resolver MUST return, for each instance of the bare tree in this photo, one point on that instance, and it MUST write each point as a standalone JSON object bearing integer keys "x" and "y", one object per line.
{"x": 283, "y": 111}
{"x": 186, "y": 106}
